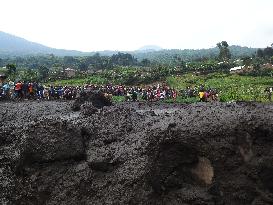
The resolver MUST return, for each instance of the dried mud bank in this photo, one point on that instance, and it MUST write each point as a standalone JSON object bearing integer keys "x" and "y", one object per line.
{"x": 136, "y": 154}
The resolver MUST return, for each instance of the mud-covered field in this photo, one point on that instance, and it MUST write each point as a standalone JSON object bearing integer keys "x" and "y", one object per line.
{"x": 135, "y": 153}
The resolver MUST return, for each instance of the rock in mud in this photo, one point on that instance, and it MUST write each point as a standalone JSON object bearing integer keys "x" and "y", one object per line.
{"x": 97, "y": 98}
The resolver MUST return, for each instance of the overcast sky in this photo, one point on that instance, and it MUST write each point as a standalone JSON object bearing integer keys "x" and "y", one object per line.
{"x": 90, "y": 25}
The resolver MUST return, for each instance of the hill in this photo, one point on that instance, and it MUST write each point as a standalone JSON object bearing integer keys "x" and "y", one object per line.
{"x": 149, "y": 48}
{"x": 11, "y": 45}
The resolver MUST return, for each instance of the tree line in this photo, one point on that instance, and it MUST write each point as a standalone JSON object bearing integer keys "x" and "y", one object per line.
{"x": 104, "y": 61}
{"x": 43, "y": 67}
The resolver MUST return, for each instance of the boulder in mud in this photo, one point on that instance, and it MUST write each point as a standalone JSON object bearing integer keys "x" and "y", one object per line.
{"x": 97, "y": 98}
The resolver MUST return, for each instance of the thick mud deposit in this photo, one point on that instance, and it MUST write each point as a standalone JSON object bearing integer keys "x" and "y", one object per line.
{"x": 136, "y": 154}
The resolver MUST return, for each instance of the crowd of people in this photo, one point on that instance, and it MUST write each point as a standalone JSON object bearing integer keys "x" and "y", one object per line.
{"x": 33, "y": 90}
{"x": 209, "y": 94}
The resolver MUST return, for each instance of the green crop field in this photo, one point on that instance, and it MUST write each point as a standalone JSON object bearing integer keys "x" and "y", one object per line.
{"x": 230, "y": 87}
{"x": 81, "y": 81}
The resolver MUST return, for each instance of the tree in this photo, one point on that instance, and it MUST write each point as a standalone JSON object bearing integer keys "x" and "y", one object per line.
{"x": 247, "y": 61}
{"x": 257, "y": 62}
{"x": 224, "y": 54}
{"x": 145, "y": 62}
{"x": 83, "y": 66}
{"x": 70, "y": 61}
{"x": 123, "y": 59}
{"x": 268, "y": 51}
{"x": 30, "y": 75}
{"x": 11, "y": 68}
{"x": 178, "y": 61}
{"x": 43, "y": 73}
{"x": 260, "y": 53}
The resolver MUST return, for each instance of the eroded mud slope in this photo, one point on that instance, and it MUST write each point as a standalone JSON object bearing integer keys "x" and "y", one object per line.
{"x": 136, "y": 154}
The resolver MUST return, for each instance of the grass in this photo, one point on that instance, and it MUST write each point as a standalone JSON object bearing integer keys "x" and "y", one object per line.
{"x": 81, "y": 81}
{"x": 117, "y": 99}
{"x": 230, "y": 87}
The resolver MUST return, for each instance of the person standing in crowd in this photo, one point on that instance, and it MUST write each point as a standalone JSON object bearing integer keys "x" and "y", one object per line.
{"x": 25, "y": 90}
{"x": 18, "y": 89}
{"x": 6, "y": 89}
{"x": 202, "y": 96}
{"x": 46, "y": 93}
{"x": 269, "y": 91}
{"x": 134, "y": 95}
{"x": 40, "y": 91}
{"x": 31, "y": 90}
{"x": 51, "y": 92}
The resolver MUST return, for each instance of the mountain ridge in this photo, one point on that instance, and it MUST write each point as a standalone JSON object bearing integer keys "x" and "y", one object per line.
{"x": 17, "y": 46}
{"x": 14, "y": 46}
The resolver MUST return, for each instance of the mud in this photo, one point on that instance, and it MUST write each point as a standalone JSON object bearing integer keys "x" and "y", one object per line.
{"x": 136, "y": 153}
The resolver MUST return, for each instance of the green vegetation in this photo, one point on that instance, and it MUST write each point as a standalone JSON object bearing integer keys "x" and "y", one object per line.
{"x": 230, "y": 87}
{"x": 80, "y": 81}
{"x": 118, "y": 99}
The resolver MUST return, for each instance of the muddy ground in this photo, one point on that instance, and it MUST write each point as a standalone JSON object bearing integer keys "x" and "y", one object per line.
{"x": 136, "y": 153}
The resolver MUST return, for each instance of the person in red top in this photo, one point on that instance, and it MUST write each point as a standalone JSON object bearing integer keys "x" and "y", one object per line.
{"x": 18, "y": 89}
{"x": 30, "y": 89}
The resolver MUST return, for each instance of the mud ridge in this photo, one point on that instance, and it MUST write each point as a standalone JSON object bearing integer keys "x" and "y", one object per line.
{"x": 136, "y": 153}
